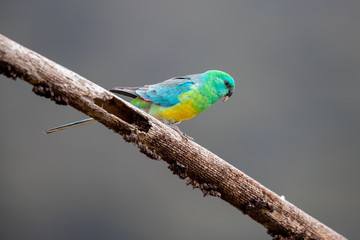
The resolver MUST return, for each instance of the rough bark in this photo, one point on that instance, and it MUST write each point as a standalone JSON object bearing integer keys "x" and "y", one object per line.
{"x": 202, "y": 169}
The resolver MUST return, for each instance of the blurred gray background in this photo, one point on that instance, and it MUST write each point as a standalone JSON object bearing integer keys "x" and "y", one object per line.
{"x": 292, "y": 123}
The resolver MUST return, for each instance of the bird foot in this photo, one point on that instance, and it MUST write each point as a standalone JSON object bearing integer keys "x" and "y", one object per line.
{"x": 176, "y": 128}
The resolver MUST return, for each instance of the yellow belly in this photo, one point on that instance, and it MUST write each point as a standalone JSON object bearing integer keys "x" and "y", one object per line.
{"x": 174, "y": 114}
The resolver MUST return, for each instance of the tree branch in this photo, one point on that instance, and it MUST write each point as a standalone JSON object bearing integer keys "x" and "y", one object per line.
{"x": 203, "y": 169}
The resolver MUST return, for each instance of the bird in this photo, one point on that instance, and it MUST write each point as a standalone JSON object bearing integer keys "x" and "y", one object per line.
{"x": 174, "y": 100}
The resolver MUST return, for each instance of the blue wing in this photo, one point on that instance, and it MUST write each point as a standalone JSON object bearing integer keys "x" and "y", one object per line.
{"x": 167, "y": 93}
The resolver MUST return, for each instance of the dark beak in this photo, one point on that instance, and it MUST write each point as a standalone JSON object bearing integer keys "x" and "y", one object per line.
{"x": 226, "y": 97}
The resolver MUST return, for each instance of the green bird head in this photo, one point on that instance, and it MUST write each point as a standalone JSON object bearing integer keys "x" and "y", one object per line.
{"x": 222, "y": 83}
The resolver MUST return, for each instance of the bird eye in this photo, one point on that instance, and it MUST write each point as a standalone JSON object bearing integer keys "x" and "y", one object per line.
{"x": 227, "y": 83}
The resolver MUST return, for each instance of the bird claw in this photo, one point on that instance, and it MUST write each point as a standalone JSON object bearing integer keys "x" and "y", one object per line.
{"x": 184, "y": 136}
{"x": 187, "y": 137}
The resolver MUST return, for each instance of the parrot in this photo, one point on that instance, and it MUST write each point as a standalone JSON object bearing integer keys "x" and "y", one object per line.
{"x": 174, "y": 100}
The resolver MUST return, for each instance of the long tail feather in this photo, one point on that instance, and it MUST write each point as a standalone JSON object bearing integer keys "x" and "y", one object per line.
{"x": 69, "y": 125}
{"x": 126, "y": 91}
